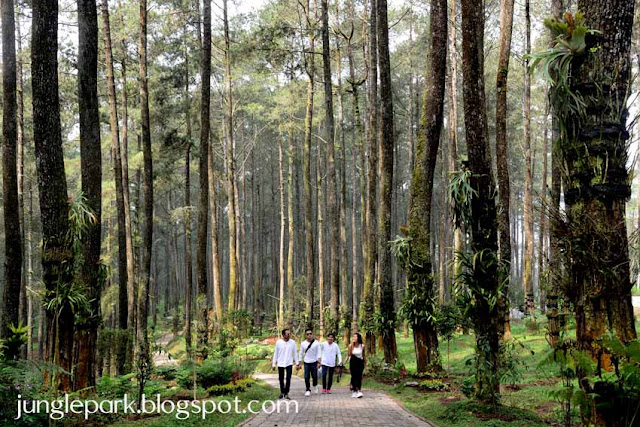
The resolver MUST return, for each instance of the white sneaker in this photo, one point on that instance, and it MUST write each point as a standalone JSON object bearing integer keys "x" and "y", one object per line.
{"x": 354, "y": 394}
{"x": 307, "y": 393}
{"x": 316, "y": 389}
{"x": 359, "y": 395}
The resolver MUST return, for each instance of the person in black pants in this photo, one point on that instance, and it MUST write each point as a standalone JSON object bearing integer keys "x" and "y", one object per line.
{"x": 330, "y": 352}
{"x": 356, "y": 356}
{"x": 283, "y": 357}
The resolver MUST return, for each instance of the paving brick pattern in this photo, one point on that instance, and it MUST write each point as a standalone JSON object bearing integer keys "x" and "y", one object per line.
{"x": 337, "y": 409}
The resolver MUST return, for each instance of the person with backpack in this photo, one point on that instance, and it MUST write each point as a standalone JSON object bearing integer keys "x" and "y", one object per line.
{"x": 330, "y": 352}
{"x": 356, "y": 356}
{"x": 310, "y": 350}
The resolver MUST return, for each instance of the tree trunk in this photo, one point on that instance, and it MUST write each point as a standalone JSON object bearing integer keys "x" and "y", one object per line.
{"x": 367, "y": 305}
{"x": 57, "y": 254}
{"x": 420, "y": 286}
{"x": 387, "y": 307}
{"x": 91, "y": 166}
{"x": 308, "y": 197}
{"x": 282, "y": 278}
{"x": 320, "y": 205}
{"x": 332, "y": 183}
{"x": 528, "y": 184}
{"x": 502, "y": 157}
{"x": 205, "y": 161}
{"x": 596, "y": 248}
{"x": 147, "y": 232}
{"x": 291, "y": 231}
{"x": 13, "y": 239}
{"x": 485, "y": 281}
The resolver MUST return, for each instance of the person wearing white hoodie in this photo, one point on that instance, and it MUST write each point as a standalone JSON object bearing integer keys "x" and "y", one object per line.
{"x": 330, "y": 352}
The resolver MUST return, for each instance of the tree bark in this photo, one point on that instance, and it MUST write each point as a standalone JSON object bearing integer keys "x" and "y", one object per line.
{"x": 205, "y": 161}
{"x": 367, "y": 305}
{"x": 308, "y": 197}
{"x": 332, "y": 207}
{"x": 483, "y": 227}
{"x": 57, "y": 253}
{"x": 420, "y": 285}
{"x": 147, "y": 232}
{"x": 502, "y": 157}
{"x": 13, "y": 237}
{"x": 387, "y": 142}
{"x": 91, "y": 170}
{"x": 596, "y": 248}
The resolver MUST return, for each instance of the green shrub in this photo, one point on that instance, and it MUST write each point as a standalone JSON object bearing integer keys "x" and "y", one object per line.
{"x": 433, "y": 385}
{"x": 230, "y": 388}
{"x": 167, "y": 372}
{"x": 211, "y": 372}
{"x": 116, "y": 387}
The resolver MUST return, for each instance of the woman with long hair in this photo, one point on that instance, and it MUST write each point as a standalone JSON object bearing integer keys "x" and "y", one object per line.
{"x": 355, "y": 355}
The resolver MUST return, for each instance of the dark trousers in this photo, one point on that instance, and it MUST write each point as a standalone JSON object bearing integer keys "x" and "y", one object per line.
{"x": 327, "y": 385}
{"x": 310, "y": 370}
{"x": 356, "y": 366}
{"x": 284, "y": 388}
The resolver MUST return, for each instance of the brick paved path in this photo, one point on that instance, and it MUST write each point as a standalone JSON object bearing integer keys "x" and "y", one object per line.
{"x": 337, "y": 409}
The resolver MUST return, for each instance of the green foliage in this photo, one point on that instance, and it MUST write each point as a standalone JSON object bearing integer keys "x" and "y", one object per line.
{"x": 615, "y": 392}
{"x": 116, "y": 387}
{"x": 212, "y": 372}
{"x": 10, "y": 346}
{"x": 167, "y": 372}
{"x": 461, "y": 193}
{"x": 231, "y": 388}
{"x": 433, "y": 385}
{"x": 20, "y": 378}
{"x": 468, "y": 387}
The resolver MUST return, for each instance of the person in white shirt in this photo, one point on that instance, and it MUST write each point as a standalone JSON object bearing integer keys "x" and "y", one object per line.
{"x": 310, "y": 352}
{"x": 284, "y": 356}
{"x": 330, "y": 352}
{"x": 356, "y": 355}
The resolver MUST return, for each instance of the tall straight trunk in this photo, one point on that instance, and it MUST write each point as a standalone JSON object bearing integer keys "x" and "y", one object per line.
{"x": 442, "y": 228}
{"x": 283, "y": 225}
{"x": 528, "y": 184}
{"x": 320, "y": 205}
{"x": 187, "y": 228}
{"x": 387, "y": 142}
{"x": 131, "y": 268}
{"x": 57, "y": 254}
{"x": 542, "y": 262}
{"x": 91, "y": 171}
{"x": 358, "y": 164}
{"x": 29, "y": 278}
{"x": 147, "y": 231}
{"x": 215, "y": 253}
{"x": 452, "y": 99}
{"x": 291, "y": 231}
{"x": 25, "y": 300}
{"x": 420, "y": 285}
{"x": 553, "y": 325}
{"x": 483, "y": 227}
{"x": 599, "y": 285}
{"x": 125, "y": 293}
{"x": 367, "y": 304}
{"x": 231, "y": 183}
{"x": 205, "y": 160}
{"x": 502, "y": 157}
{"x": 333, "y": 214}
{"x": 13, "y": 238}
{"x": 345, "y": 312}
{"x": 308, "y": 196}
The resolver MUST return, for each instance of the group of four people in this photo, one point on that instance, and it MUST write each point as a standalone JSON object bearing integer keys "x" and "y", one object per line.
{"x": 316, "y": 356}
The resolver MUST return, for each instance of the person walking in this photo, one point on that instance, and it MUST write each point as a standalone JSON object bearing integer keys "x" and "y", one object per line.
{"x": 330, "y": 352}
{"x": 283, "y": 357}
{"x": 355, "y": 355}
{"x": 310, "y": 352}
